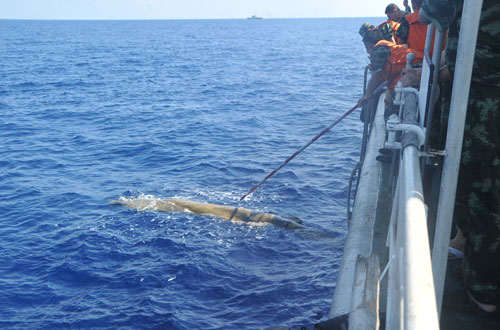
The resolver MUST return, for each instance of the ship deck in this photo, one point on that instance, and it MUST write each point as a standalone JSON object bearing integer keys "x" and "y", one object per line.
{"x": 457, "y": 311}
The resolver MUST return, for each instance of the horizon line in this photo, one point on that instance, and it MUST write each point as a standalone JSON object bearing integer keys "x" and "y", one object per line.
{"x": 172, "y": 19}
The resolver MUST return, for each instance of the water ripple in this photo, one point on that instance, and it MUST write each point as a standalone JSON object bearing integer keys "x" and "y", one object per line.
{"x": 198, "y": 110}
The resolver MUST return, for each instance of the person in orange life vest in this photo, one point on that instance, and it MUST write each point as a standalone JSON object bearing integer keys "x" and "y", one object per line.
{"x": 411, "y": 32}
{"x": 387, "y": 59}
{"x": 394, "y": 16}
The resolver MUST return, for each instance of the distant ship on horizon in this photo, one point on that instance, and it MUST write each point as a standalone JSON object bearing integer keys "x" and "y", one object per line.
{"x": 254, "y": 17}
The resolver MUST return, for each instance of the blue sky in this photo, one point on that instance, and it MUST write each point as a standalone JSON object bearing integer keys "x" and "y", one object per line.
{"x": 187, "y": 9}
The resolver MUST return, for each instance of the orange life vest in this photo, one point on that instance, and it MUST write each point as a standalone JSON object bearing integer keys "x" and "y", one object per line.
{"x": 418, "y": 34}
{"x": 396, "y": 61}
{"x": 394, "y": 26}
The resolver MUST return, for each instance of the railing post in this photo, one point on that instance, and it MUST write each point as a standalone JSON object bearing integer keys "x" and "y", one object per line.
{"x": 393, "y": 296}
{"x": 436, "y": 60}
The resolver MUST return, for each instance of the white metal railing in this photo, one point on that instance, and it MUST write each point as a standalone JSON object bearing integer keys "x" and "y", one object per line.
{"x": 415, "y": 280}
{"x": 411, "y": 301}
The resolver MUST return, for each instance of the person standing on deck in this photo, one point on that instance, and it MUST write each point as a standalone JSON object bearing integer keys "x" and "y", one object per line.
{"x": 477, "y": 206}
{"x": 407, "y": 8}
{"x": 411, "y": 32}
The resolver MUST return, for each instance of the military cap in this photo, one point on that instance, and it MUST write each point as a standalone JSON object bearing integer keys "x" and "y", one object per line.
{"x": 365, "y": 28}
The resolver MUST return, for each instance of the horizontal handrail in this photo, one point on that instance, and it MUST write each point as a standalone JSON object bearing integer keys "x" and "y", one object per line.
{"x": 411, "y": 300}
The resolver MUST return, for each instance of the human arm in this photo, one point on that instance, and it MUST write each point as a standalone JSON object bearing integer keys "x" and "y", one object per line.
{"x": 411, "y": 77}
{"x": 444, "y": 73}
{"x": 422, "y": 18}
{"x": 378, "y": 58}
{"x": 386, "y": 30}
{"x": 403, "y": 31}
{"x": 373, "y": 83}
{"x": 441, "y": 13}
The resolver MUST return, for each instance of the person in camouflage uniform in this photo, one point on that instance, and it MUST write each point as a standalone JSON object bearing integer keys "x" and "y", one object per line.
{"x": 477, "y": 208}
{"x": 378, "y": 55}
{"x": 386, "y": 29}
{"x": 386, "y": 58}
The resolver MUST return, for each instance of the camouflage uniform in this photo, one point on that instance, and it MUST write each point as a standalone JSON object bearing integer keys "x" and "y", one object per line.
{"x": 477, "y": 207}
{"x": 378, "y": 56}
{"x": 384, "y": 28}
{"x": 387, "y": 31}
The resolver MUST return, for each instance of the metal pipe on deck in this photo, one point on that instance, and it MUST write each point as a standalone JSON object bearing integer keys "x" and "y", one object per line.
{"x": 420, "y": 307}
{"x": 411, "y": 298}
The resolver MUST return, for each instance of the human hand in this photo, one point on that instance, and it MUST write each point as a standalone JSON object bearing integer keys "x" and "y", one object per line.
{"x": 411, "y": 77}
{"x": 444, "y": 74}
{"x": 362, "y": 100}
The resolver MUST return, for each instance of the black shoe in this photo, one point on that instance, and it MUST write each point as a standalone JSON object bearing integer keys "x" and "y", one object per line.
{"x": 384, "y": 158}
{"x": 385, "y": 151}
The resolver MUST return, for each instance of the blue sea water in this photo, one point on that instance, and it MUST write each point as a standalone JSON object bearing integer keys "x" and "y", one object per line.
{"x": 192, "y": 109}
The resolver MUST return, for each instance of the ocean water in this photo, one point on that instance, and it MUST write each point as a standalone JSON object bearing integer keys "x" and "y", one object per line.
{"x": 192, "y": 109}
